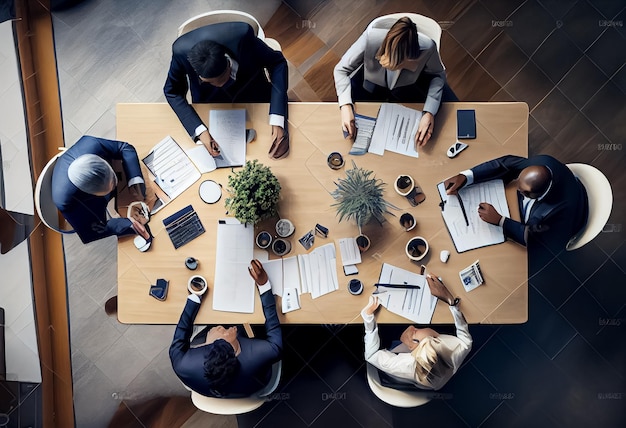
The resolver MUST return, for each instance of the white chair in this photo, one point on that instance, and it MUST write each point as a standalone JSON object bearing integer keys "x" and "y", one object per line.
{"x": 237, "y": 406}
{"x": 46, "y": 209}
{"x": 216, "y": 16}
{"x": 600, "y": 197}
{"x": 425, "y": 25}
{"x": 395, "y": 397}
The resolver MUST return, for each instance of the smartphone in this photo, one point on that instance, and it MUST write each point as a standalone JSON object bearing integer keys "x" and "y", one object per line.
{"x": 466, "y": 124}
{"x": 159, "y": 291}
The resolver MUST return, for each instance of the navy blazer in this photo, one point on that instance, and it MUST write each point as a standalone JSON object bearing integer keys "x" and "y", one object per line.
{"x": 87, "y": 213}
{"x": 251, "y": 85}
{"x": 554, "y": 219}
{"x": 255, "y": 359}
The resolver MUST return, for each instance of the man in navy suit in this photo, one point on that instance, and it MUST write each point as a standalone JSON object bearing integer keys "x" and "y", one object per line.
{"x": 227, "y": 63}
{"x": 552, "y": 201}
{"x": 219, "y": 362}
{"x": 83, "y": 182}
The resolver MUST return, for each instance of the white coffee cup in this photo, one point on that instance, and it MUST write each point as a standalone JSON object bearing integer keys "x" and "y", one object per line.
{"x": 197, "y": 285}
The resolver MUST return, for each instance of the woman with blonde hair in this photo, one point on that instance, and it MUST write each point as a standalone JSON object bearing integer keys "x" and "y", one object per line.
{"x": 392, "y": 61}
{"x": 425, "y": 358}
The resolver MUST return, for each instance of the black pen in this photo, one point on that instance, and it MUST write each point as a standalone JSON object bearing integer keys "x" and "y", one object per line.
{"x": 463, "y": 209}
{"x": 397, "y": 285}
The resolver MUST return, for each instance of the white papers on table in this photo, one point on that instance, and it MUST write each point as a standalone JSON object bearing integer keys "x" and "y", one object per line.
{"x": 228, "y": 128}
{"x": 203, "y": 160}
{"x": 479, "y": 233}
{"x": 416, "y": 304}
{"x": 290, "y": 301}
{"x": 349, "y": 250}
{"x": 233, "y": 289}
{"x": 365, "y": 128}
{"x": 395, "y": 130}
{"x": 283, "y": 273}
{"x": 172, "y": 169}
{"x": 318, "y": 272}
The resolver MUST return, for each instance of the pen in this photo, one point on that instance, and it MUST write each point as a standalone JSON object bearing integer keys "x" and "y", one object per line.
{"x": 397, "y": 285}
{"x": 463, "y": 209}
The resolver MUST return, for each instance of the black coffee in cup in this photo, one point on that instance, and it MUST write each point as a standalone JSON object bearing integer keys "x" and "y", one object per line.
{"x": 197, "y": 284}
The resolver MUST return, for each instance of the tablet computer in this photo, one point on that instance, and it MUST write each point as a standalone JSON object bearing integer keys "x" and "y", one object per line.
{"x": 466, "y": 124}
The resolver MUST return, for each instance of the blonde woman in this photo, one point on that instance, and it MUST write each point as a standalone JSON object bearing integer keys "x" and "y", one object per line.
{"x": 425, "y": 359}
{"x": 392, "y": 61}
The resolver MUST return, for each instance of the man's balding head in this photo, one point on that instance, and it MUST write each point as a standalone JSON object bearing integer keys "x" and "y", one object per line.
{"x": 534, "y": 180}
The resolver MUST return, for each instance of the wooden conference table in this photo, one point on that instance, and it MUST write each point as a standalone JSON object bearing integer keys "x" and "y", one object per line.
{"x": 306, "y": 180}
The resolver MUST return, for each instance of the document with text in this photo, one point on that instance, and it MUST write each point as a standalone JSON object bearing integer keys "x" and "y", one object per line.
{"x": 473, "y": 232}
{"x": 395, "y": 130}
{"x": 228, "y": 128}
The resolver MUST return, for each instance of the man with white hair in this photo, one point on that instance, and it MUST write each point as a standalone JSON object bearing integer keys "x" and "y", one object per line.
{"x": 84, "y": 181}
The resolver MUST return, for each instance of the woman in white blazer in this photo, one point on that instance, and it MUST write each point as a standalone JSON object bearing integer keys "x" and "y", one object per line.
{"x": 391, "y": 61}
{"x": 425, "y": 358}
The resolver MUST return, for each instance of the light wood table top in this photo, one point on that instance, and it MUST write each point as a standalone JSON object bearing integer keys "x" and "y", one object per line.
{"x": 306, "y": 180}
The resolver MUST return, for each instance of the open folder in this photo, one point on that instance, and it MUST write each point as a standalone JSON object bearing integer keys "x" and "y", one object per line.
{"x": 460, "y": 214}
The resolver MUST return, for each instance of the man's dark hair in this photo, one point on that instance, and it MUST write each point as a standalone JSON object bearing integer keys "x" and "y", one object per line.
{"x": 220, "y": 364}
{"x": 207, "y": 58}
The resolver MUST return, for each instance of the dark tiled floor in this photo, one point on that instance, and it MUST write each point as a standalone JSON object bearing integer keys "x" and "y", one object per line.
{"x": 566, "y": 365}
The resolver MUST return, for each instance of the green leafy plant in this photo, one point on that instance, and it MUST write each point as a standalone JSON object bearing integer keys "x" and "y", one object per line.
{"x": 254, "y": 193}
{"x": 359, "y": 197}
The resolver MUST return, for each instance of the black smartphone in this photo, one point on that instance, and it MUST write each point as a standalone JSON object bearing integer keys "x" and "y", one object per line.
{"x": 466, "y": 124}
{"x": 159, "y": 291}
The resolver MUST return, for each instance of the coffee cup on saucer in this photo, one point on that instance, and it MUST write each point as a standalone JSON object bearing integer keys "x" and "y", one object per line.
{"x": 197, "y": 285}
{"x": 417, "y": 248}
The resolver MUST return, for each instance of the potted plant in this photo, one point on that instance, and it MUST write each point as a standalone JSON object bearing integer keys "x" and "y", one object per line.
{"x": 254, "y": 193}
{"x": 359, "y": 197}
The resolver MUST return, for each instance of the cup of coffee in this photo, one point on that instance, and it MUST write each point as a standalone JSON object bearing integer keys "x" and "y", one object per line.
{"x": 404, "y": 184}
{"x": 263, "y": 239}
{"x": 191, "y": 263}
{"x": 197, "y": 285}
{"x": 363, "y": 242}
{"x": 335, "y": 160}
{"x": 284, "y": 228}
{"x": 355, "y": 287}
{"x": 417, "y": 248}
{"x": 280, "y": 247}
{"x": 407, "y": 221}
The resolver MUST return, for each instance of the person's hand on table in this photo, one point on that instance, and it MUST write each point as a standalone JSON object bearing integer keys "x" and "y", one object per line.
{"x": 137, "y": 193}
{"x": 348, "y": 124}
{"x": 438, "y": 289}
{"x": 210, "y": 144}
{"x": 138, "y": 215}
{"x": 453, "y": 184}
{"x": 139, "y": 229}
{"x": 407, "y": 337}
{"x": 372, "y": 305}
{"x": 488, "y": 213}
{"x": 424, "y": 130}
{"x": 257, "y": 272}
{"x": 280, "y": 143}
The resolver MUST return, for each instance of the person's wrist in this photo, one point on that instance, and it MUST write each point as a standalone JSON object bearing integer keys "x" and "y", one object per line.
{"x": 454, "y": 302}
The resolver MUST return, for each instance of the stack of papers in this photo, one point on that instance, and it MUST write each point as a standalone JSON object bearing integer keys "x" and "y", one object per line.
{"x": 228, "y": 128}
{"x": 415, "y": 304}
{"x": 395, "y": 130}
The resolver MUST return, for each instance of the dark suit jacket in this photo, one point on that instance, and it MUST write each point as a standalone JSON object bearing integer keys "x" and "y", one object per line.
{"x": 87, "y": 213}
{"x": 251, "y": 85}
{"x": 255, "y": 359}
{"x": 554, "y": 219}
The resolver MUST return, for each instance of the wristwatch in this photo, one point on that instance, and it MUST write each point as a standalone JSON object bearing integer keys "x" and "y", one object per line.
{"x": 455, "y": 302}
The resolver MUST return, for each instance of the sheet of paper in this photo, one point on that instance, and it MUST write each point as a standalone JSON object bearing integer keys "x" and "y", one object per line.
{"x": 479, "y": 233}
{"x": 202, "y": 159}
{"x": 228, "y": 128}
{"x": 349, "y": 250}
{"x": 233, "y": 289}
{"x": 417, "y": 305}
{"x": 365, "y": 128}
{"x": 173, "y": 170}
{"x": 290, "y": 301}
{"x": 320, "y": 270}
{"x": 283, "y": 274}
{"x": 395, "y": 130}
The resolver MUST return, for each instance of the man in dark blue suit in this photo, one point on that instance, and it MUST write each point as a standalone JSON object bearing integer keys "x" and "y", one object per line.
{"x": 219, "y": 362}
{"x": 226, "y": 63}
{"x": 552, "y": 201}
{"x": 83, "y": 182}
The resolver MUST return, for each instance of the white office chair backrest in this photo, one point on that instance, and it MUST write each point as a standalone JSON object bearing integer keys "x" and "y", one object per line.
{"x": 46, "y": 209}
{"x": 600, "y": 197}
{"x": 425, "y": 25}
{"x": 395, "y": 397}
{"x": 216, "y": 16}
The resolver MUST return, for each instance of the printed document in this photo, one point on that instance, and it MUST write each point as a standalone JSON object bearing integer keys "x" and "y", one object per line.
{"x": 415, "y": 304}
{"x": 234, "y": 288}
{"x": 479, "y": 233}
{"x": 365, "y": 128}
{"x": 228, "y": 128}
{"x": 395, "y": 130}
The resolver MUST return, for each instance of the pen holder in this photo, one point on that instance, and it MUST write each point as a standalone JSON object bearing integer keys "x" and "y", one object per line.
{"x": 417, "y": 248}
